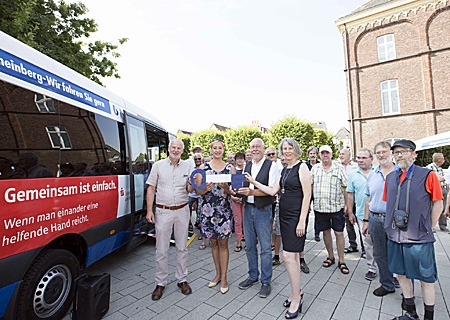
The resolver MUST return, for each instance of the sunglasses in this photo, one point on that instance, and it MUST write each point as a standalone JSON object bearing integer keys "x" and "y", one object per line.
{"x": 197, "y": 158}
{"x": 271, "y": 154}
{"x": 216, "y": 139}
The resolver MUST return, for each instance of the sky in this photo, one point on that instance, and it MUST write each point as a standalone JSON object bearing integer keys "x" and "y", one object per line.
{"x": 193, "y": 63}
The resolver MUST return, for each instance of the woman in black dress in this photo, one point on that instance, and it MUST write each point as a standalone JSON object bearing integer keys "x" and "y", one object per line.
{"x": 295, "y": 192}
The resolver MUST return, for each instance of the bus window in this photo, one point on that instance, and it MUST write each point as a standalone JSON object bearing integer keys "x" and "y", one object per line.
{"x": 26, "y": 133}
{"x": 98, "y": 146}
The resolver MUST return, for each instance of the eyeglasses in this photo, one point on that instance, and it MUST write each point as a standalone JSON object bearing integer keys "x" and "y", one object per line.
{"x": 379, "y": 153}
{"x": 216, "y": 139}
{"x": 270, "y": 154}
{"x": 197, "y": 158}
{"x": 401, "y": 152}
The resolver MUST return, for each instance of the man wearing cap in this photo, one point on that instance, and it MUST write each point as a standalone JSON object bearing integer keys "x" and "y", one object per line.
{"x": 329, "y": 182}
{"x": 170, "y": 177}
{"x": 436, "y": 166}
{"x": 194, "y": 150}
{"x": 414, "y": 199}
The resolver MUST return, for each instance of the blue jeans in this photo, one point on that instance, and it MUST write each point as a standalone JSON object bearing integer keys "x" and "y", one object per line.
{"x": 257, "y": 224}
{"x": 380, "y": 253}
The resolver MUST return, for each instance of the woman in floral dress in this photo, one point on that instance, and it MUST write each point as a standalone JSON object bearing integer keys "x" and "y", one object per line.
{"x": 216, "y": 215}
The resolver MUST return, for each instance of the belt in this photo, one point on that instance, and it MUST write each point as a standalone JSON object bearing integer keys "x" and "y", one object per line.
{"x": 171, "y": 208}
{"x": 383, "y": 214}
{"x": 252, "y": 204}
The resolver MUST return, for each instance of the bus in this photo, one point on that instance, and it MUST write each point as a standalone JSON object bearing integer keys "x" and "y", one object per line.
{"x": 74, "y": 158}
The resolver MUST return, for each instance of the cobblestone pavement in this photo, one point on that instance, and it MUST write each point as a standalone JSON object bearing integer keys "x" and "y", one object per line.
{"x": 328, "y": 293}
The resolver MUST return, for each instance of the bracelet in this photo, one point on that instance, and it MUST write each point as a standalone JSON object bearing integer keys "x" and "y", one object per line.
{"x": 365, "y": 220}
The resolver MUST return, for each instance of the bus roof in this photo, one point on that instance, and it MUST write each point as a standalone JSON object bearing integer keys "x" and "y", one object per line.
{"x": 26, "y": 67}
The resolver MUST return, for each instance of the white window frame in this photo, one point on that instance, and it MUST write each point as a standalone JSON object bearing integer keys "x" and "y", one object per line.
{"x": 60, "y": 133}
{"x": 392, "y": 94}
{"x": 44, "y": 104}
{"x": 386, "y": 47}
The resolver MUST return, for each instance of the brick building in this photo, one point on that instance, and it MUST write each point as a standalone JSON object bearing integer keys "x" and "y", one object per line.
{"x": 398, "y": 69}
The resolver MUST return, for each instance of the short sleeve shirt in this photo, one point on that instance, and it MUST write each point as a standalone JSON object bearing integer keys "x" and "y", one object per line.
{"x": 328, "y": 188}
{"x": 170, "y": 181}
{"x": 273, "y": 176}
{"x": 357, "y": 184}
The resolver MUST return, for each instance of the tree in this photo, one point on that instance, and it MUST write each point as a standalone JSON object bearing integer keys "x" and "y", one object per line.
{"x": 187, "y": 145}
{"x": 59, "y": 31}
{"x": 204, "y": 139}
{"x": 291, "y": 127}
{"x": 321, "y": 137}
{"x": 239, "y": 139}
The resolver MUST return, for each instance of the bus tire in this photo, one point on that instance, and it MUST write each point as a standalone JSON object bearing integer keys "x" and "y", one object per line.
{"x": 48, "y": 288}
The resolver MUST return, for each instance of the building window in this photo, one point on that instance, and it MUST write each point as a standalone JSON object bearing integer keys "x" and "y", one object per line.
{"x": 386, "y": 47}
{"x": 59, "y": 137}
{"x": 389, "y": 97}
{"x": 44, "y": 103}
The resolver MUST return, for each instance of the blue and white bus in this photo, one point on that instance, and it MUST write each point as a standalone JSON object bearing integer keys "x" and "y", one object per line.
{"x": 73, "y": 161}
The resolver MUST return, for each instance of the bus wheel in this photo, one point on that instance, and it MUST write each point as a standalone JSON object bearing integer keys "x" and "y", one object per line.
{"x": 48, "y": 287}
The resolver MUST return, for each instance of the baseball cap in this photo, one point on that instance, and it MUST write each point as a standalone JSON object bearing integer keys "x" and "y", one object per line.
{"x": 405, "y": 144}
{"x": 197, "y": 147}
{"x": 325, "y": 148}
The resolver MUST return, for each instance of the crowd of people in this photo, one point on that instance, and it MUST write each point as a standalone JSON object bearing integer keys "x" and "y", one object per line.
{"x": 392, "y": 205}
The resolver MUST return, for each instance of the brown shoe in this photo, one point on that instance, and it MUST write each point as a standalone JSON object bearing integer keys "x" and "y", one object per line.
{"x": 157, "y": 293}
{"x": 185, "y": 288}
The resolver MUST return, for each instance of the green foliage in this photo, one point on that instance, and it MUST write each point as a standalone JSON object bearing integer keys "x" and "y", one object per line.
{"x": 204, "y": 139}
{"x": 59, "y": 31}
{"x": 238, "y": 139}
{"x": 187, "y": 145}
{"x": 291, "y": 127}
{"x": 321, "y": 137}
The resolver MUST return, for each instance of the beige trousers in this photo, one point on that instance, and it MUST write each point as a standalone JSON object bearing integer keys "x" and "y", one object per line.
{"x": 164, "y": 221}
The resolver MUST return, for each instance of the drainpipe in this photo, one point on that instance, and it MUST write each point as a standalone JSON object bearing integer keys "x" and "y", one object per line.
{"x": 350, "y": 90}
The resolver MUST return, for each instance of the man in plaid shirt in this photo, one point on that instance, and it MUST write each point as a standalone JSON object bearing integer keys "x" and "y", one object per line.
{"x": 329, "y": 183}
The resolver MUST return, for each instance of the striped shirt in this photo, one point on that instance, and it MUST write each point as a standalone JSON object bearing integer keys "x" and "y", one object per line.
{"x": 328, "y": 188}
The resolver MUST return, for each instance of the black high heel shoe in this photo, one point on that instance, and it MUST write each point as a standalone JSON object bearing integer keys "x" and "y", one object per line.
{"x": 293, "y": 315}
{"x": 287, "y": 303}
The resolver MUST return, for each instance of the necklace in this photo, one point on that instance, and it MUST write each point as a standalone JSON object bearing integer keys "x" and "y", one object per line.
{"x": 283, "y": 180}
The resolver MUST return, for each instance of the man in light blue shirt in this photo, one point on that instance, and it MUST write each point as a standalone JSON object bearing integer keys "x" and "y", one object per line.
{"x": 375, "y": 214}
{"x": 356, "y": 194}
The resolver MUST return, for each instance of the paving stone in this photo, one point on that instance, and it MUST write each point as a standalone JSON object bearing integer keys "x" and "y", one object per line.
{"x": 328, "y": 294}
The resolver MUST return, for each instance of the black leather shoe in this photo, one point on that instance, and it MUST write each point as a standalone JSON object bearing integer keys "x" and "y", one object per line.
{"x": 265, "y": 290}
{"x": 304, "y": 267}
{"x": 381, "y": 291}
{"x": 247, "y": 283}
